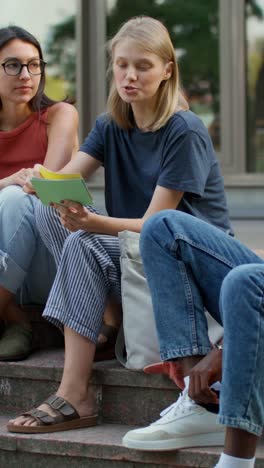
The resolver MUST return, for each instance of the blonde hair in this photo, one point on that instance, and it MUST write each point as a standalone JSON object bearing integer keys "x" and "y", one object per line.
{"x": 153, "y": 37}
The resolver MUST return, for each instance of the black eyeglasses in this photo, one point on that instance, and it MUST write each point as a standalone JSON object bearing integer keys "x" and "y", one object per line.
{"x": 14, "y": 67}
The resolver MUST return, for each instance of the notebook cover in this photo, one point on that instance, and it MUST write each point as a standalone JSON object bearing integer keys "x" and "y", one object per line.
{"x": 57, "y": 190}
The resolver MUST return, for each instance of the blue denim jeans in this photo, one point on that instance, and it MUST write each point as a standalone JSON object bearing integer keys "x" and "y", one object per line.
{"x": 27, "y": 268}
{"x": 191, "y": 265}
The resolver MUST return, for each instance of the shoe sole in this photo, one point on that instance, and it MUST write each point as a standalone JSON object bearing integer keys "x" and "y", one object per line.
{"x": 79, "y": 423}
{"x": 199, "y": 440}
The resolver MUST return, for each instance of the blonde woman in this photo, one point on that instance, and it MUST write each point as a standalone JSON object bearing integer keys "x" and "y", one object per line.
{"x": 156, "y": 155}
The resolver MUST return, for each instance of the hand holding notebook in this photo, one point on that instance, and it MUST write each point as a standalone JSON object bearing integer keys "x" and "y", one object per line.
{"x": 54, "y": 187}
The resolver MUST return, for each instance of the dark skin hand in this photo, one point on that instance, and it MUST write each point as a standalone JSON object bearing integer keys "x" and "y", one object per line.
{"x": 203, "y": 375}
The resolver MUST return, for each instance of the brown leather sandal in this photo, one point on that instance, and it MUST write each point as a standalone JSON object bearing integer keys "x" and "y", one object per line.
{"x": 105, "y": 351}
{"x": 66, "y": 418}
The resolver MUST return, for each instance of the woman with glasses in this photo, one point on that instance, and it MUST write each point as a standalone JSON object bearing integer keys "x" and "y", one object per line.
{"x": 33, "y": 129}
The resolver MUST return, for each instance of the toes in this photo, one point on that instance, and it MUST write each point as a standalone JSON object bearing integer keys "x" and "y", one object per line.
{"x": 30, "y": 422}
{"x": 17, "y": 421}
{"x": 23, "y": 421}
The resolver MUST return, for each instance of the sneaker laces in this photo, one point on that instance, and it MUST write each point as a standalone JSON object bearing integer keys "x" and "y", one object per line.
{"x": 183, "y": 405}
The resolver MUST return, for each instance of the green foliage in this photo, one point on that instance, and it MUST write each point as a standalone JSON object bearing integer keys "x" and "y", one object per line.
{"x": 61, "y": 52}
{"x": 193, "y": 27}
{"x": 192, "y": 24}
{"x": 55, "y": 88}
{"x": 254, "y": 9}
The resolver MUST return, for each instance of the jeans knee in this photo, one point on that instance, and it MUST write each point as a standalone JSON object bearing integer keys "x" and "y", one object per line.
{"x": 151, "y": 227}
{"x": 238, "y": 280}
{"x": 14, "y": 200}
{"x": 240, "y": 287}
{"x": 164, "y": 226}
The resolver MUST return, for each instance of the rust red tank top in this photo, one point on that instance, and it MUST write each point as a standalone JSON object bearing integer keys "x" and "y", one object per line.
{"x": 24, "y": 146}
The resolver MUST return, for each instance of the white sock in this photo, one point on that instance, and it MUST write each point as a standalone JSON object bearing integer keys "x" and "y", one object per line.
{"x": 226, "y": 461}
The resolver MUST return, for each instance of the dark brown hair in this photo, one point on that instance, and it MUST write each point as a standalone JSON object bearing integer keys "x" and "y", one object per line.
{"x": 8, "y": 34}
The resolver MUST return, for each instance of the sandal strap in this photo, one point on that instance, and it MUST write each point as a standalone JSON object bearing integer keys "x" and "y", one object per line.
{"x": 65, "y": 411}
{"x": 42, "y": 418}
{"x": 62, "y": 406}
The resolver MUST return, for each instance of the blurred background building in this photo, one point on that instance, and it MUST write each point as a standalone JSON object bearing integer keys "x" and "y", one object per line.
{"x": 220, "y": 50}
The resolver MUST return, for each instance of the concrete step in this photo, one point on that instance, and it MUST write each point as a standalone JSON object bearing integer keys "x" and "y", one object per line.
{"x": 123, "y": 396}
{"x": 97, "y": 447}
{"x": 126, "y": 398}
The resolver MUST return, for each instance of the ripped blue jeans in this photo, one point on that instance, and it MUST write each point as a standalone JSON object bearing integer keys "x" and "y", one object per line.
{"x": 27, "y": 268}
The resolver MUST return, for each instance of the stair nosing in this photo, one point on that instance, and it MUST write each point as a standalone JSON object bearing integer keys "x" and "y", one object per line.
{"x": 104, "y": 373}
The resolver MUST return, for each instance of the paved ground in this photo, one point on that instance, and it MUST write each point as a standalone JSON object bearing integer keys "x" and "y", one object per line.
{"x": 250, "y": 232}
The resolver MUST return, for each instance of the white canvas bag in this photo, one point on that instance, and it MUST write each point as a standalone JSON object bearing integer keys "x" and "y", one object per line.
{"x": 137, "y": 343}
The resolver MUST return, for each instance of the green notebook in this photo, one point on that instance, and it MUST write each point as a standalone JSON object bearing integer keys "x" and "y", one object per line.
{"x": 65, "y": 189}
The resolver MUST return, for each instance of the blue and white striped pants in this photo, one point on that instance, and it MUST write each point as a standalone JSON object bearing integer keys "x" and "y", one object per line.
{"x": 88, "y": 273}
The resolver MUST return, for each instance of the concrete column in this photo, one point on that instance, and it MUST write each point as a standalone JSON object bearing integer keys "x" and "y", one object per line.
{"x": 232, "y": 86}
{"x": 90, "y": 62}
{"x": 91, "y": 77}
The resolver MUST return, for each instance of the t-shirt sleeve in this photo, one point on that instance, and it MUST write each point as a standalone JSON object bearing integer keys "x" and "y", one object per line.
{"x": 186, "y": 163}
{"x": 94, "y": 142}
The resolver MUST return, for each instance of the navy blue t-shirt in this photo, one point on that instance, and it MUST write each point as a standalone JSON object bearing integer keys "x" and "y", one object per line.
{"x": 178, "y": 156}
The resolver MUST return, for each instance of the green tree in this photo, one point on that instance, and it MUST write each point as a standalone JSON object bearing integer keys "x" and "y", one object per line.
{"x": 192, "y": 24}
{"x": 61, "y": 50}
{"x": 193, "y": 27}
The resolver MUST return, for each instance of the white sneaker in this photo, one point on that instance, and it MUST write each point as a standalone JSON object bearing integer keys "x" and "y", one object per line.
{"x": 183, "y": 424}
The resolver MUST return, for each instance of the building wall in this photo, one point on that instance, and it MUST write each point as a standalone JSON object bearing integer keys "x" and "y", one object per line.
{"x": 221, "y": 63}
{"x": 229, "y": 119}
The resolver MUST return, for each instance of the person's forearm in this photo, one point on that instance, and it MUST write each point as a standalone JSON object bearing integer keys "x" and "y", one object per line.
{"x": 83, "y": 164}
{"x": 62, "y": 132}
{"x": 112, "y": 226}
{"x": 3, "y": 183}
{"x": 9, "y": 181}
